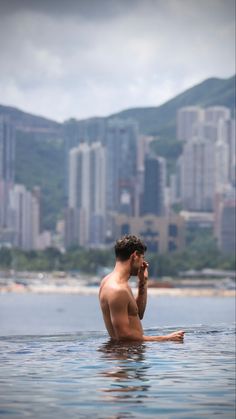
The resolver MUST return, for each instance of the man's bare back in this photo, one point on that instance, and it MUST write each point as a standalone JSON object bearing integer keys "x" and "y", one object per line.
{"x": 121, "y": 310}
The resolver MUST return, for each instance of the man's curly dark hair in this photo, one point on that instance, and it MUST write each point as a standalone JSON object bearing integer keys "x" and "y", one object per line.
{"x": 127, "y": 245}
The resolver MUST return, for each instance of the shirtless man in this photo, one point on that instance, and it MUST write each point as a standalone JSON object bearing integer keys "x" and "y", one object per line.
{"x": 121, "y": 311}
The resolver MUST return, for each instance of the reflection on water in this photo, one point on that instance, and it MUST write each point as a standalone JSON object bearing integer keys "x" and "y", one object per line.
{"x": 126, "y": 370}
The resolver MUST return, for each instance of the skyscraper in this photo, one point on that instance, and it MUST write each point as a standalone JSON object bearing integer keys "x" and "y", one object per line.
{"x": 87, "y": 194}
{"x": 231, "y": 140}
{"x": 187, "y": 118}
{"x": 7, "y": 166}
{"x": 225, "y": 213}
{"x": 25, "y": 215}
{"x": 153, "y": 201}
{"x": 121, "y": 162}
{"x": 208, "y": 157}
{"x": 221, "y": 164}
{"x": 198, "y": 175}
{"x": 214, "y": 114}
{"x": 77, "y": 132}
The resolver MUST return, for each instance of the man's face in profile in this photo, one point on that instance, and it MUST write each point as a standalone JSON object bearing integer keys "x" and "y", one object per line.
{"x": 137, "y": 260}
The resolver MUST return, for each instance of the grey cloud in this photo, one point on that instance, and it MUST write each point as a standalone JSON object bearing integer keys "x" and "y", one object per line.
{"x": 66, "y": 59}
{"x": 88, "y": 9}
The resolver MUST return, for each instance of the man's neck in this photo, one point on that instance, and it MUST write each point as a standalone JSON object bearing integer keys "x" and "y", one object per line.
{"x": 122, "y": 271}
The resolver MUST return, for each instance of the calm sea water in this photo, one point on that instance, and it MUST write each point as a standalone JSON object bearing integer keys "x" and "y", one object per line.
{"x": 57, "y": 360}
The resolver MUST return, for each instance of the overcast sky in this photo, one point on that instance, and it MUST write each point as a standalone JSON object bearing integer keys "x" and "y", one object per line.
{"x": 83, "y": 58}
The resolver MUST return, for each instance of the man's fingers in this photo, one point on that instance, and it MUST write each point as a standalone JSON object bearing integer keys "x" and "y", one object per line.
{"x": 180, "y": 335}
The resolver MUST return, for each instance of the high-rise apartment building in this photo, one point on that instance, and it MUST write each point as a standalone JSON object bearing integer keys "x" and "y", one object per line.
{"x": 225, "y": 214}
{"x": 231, "y": 140}
{"x": 193, "y": 121}
{"x": 25, "y": 216}
{"x": 207, "y": 130}
{"x": 208, "y": 161}
{"x": 7, "y": 150}
{"x": 214, "y": 114}
{"x": 121, "y": 162}
{"x": 86, "y": 203}
{"x": 198, "y": 175}
{"x": 77, "y": 132}
{"x": 187, "y": 118}
{"x": 153, "y": 201}
{"x": 7, "y": 167}
{"x": 221, "y": 154}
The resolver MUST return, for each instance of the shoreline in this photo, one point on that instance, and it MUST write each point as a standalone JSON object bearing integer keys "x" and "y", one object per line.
{"x": 93, "y": 290}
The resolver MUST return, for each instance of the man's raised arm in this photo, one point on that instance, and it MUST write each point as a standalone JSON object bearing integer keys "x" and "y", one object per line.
{"x": 141, "y": 299}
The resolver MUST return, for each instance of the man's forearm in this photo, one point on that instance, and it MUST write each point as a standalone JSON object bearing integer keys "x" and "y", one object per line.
{"x": 135, "y": 336}
{"x": 138, "y": 337}
{"x": 175, "y": 336}
{"x": 156, "y": 338}
{"x": 141, "y": 299}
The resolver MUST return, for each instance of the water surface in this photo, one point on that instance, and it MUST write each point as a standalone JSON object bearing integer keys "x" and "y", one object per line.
{"x": 81, "y": 374}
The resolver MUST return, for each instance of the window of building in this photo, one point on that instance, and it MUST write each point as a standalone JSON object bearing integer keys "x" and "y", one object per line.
{"x": 173, "y": 230}
{"x": 153, "y": 246}
{"x": 172, "y": 246}
{"x": 125, "y": 229}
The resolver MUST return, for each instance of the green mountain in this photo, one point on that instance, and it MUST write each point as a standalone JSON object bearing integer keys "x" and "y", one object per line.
{"x": 26, "y": 121}
{"x": 161, "y": 120}
{"x": 40, "y": 155}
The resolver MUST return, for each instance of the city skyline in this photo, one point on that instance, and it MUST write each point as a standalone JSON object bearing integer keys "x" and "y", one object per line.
{"x": 112, "y": 175}
{"x": 81, "y": 59}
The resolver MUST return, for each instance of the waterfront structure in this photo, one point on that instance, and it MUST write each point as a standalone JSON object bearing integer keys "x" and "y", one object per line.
{"x": 153, "y": 200}
{"x": 161, "y": 234}
{"x": 86, "y": 203}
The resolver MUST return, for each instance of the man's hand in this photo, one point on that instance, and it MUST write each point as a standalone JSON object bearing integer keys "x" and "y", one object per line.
{"x": 176, "y": 336}
{"x": 143, "y": 274}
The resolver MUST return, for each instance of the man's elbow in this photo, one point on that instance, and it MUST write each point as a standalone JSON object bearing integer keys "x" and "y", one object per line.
{"x": 127, "y": 335}
{"x": 122, "y": 334}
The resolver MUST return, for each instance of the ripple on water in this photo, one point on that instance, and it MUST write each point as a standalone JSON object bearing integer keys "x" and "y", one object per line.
{"x": 85, "y": 375}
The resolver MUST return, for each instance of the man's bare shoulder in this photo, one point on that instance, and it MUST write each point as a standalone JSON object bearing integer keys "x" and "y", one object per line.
{"x": 110, "y": 289}
{"x": 105, "y": 283}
